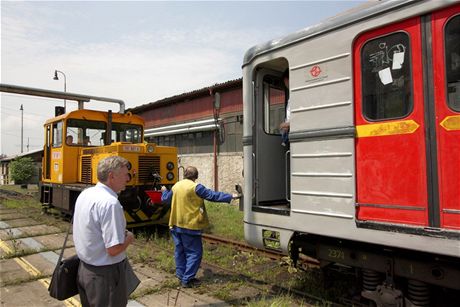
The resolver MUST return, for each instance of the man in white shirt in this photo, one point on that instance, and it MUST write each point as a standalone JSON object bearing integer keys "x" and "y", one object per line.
{"x": 101, "y": 238}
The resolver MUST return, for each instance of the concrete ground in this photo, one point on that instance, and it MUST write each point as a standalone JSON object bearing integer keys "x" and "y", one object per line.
{"x": 24, "y": 280}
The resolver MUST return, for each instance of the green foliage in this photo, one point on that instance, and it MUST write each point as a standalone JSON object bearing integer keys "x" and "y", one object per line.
{"x": 22, "y": 169}
{"x": 226, "y": 220}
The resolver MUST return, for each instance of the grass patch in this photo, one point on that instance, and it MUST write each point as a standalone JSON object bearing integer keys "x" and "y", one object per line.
{"x": 22, "y": 252}
{"x": 21, "y": 203}
{"x": 24, "y": 280}
{"x": 225, "y": 220}
{"x": 226, "y": 291}
{"x": 279, "y": 301}
{"x": 18, "y": 189}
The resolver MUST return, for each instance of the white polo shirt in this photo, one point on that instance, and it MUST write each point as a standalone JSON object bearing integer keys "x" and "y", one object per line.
{"x": 98, "y": 223}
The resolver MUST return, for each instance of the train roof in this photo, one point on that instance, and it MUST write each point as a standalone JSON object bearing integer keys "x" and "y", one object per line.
{"x": 356, "y": 14}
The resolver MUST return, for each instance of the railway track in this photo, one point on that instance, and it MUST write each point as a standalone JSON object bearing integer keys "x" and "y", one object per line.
{"x": 221, "y": 276}
{"x": 242, "y": 246}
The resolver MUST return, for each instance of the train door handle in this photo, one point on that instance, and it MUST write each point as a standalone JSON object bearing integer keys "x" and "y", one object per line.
{"x": 286, "y": 178}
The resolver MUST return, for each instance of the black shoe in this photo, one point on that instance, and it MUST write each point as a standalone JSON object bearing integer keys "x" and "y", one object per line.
{"x": 192, "y": 283}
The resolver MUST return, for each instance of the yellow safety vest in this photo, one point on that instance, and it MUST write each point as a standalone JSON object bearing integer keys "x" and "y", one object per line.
{"x": 187, "y": 208}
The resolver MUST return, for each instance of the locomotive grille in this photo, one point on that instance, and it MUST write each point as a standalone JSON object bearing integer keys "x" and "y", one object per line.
{"x": 86, "y": 169}
{"x": 148, "y": 165}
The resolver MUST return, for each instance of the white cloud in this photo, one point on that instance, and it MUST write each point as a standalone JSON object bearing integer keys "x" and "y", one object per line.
{"x": 105, "y": 52}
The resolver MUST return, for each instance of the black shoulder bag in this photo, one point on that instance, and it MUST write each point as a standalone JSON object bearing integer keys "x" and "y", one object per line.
{"x": 64, "y": 280}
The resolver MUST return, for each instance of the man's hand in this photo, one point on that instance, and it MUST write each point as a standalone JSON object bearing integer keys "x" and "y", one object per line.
{"x": 163, "y": 188}
{"x": 129, "y": 237}
{"x": 116, "y": 249}
{"x": 236, "y": 196}
{"x": 285, "y": 125}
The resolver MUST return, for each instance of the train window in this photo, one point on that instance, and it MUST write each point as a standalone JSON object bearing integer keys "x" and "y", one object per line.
{"x": 386, "y": 77}
{"x": 57, "y": 134}
{"x": 274, "y": 104}
{"x": 86, "y": 132}
{"x": 452, "y": 49}
{"x": 127, "y": 133}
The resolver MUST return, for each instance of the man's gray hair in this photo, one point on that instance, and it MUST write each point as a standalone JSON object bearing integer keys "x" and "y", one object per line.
{"x": 109, "y": 164}
{"x": 191, "y": 172}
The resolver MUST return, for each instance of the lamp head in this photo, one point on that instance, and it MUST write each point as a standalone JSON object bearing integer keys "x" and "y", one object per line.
{"x": 55, "y": 75}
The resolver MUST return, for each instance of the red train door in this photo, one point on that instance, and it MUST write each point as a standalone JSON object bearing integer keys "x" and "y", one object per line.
{"x": 407, "y": 161}
{"x": 446, "y": 68}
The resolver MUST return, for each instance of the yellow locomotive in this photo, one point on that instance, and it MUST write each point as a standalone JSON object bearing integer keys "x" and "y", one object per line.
{"x": 76, "y": 141}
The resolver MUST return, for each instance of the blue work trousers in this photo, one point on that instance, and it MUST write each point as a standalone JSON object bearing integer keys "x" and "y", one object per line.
{"x": 187, "y": 253}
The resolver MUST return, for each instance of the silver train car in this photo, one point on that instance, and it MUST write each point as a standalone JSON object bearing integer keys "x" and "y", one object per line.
{"x": 370, "y": 178}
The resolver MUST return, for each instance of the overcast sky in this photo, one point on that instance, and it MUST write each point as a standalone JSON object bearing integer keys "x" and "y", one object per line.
{"x": 135, "y": 51}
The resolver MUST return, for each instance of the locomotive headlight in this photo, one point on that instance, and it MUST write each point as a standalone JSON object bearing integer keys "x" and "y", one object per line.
{"x": 129, "y": 166}
{"x": 170, "y": 166}
{"x": 150, "y": 148}
{"x": 170, "y": 176}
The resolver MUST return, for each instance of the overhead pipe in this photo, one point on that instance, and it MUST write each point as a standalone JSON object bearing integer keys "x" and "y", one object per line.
{"x": 17, "y": 89}
{"x": 188, "y": 129}
{"x": 200, "y": 125}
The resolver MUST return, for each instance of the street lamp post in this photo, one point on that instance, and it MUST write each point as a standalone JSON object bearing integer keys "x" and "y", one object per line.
{"x": 65, "y": 83}
{"x": 22, "y": 128}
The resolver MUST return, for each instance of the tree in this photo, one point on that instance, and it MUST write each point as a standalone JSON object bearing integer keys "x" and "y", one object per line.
{"x": 22, "y": 169}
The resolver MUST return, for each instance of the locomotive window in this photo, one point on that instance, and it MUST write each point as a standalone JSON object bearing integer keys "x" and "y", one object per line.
{"x": 452, "y": 49}
{"x": 57, "y": 134}
{"x": 274, "y": 104}
{"x": 126, "y": 133}
{"x": 386, "y": 77}
{"x": 86, "y": 132}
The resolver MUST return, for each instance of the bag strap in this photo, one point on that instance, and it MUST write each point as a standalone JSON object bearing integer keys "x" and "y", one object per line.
{"x": 65, "y": 242}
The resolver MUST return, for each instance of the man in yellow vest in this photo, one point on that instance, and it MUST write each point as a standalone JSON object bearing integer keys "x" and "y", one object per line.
{"x": 187, "y": 220}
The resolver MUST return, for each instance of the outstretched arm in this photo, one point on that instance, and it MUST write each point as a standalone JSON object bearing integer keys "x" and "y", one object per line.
{"x": 218, "y": 197}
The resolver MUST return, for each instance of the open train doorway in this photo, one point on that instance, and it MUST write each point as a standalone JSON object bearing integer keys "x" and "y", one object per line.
{"x": 271, "y": 154}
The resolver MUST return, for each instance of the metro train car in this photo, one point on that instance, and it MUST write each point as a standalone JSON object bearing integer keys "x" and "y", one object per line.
{"x": 370, "y": 178}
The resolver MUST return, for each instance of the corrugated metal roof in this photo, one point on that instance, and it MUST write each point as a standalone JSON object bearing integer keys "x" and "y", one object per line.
{"x": 205, "y": 91}
{"x": 24, "y": 154}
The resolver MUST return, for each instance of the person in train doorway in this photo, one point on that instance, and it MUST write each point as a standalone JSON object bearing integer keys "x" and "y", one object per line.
{"x": 285, "y": 125}
{"x": 187, "y": 220}
{"x": 105, "y": 278}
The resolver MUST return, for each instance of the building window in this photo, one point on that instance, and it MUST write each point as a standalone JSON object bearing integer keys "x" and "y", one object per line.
{"x": 386, "y": 77}
{"x": 452, "y": 49}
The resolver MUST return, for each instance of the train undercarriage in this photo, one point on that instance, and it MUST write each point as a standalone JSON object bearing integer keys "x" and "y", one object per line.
{"x": 389, "y": 276}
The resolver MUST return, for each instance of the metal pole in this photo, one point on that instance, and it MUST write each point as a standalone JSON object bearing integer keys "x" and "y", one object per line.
{"x": 65, "y": 90}
{"x": 65, "y": 84}
{"x": 22, "y": 128}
